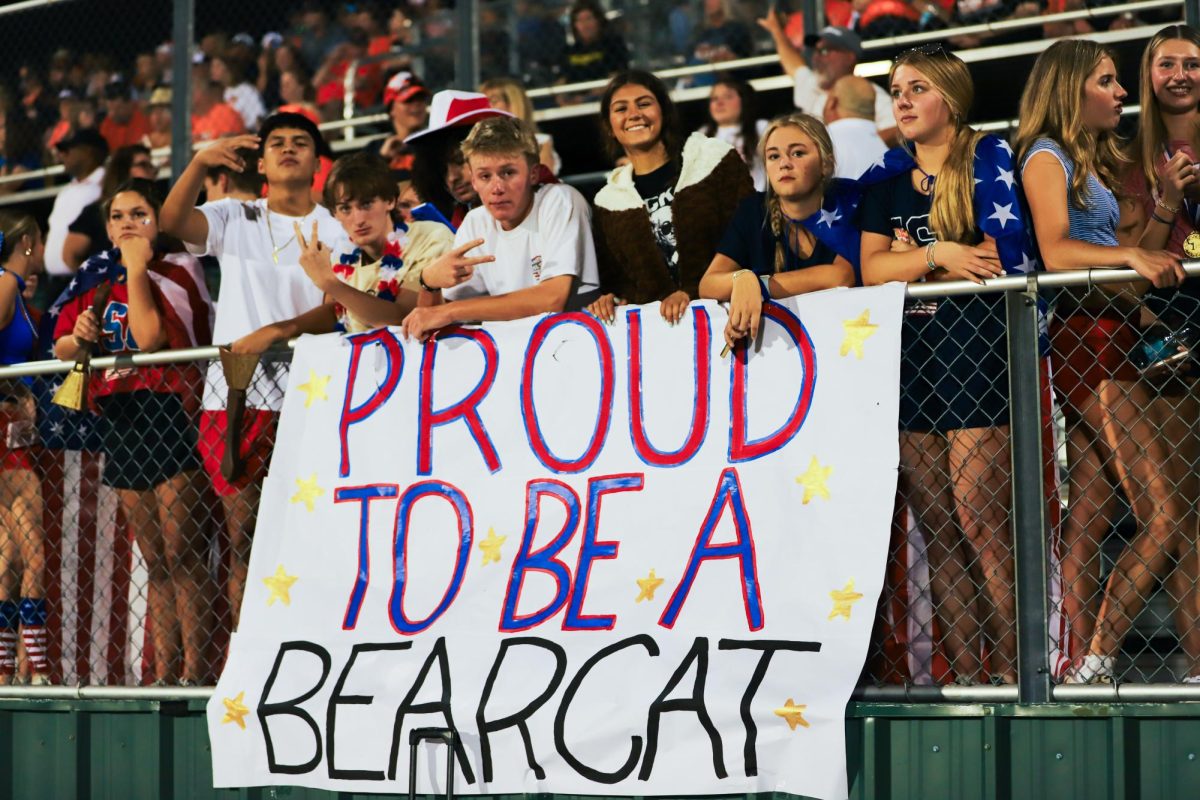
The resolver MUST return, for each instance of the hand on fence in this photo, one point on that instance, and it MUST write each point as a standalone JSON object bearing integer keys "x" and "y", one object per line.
{"x": 1176, "y": 177}
{"x": 969, "y": 263}
{"x": 745, "y": 308}
{"x": 674, "y": 305}
{"x": 605, "y": 308}
{"x": 1157, "y": 266}
{"x": 223, "y": 152}
{"x": 315, "y": 258}
{"x": 454, "y": 267}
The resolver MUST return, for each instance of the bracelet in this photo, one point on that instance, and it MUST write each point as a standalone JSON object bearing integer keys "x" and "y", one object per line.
{"x": 1154, "y": 216}
{"x": 1172, "y": 211}
{"x": 929, "y": 262}
{"x": 740, "y": 272}
{"x": 424, "y": 285}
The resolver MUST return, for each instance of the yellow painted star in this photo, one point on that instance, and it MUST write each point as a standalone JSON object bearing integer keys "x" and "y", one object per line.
{"x": 235, "y": 710}
{"x": 491, "y": 547}
{"x": 307, "y": 491}
{"x": 793, "y": 714}
{"x": 843, "y": 599}
{"x": 813, "y": 481}
{"x": 858, "y": 330}
{"x": 314, "y": 388}
{"x": 647, "y": 585}
{"x": 279, "y": 584}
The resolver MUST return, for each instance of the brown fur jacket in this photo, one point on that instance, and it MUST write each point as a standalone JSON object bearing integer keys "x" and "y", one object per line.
{"x": 712, "y": 180}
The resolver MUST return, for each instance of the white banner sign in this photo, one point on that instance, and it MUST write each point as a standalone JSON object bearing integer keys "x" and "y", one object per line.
{"x": 612, "y": 561}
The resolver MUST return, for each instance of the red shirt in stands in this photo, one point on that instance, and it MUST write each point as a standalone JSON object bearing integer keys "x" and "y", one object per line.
{"x": 221, "y": 120}
{"x": 120, "y": 135}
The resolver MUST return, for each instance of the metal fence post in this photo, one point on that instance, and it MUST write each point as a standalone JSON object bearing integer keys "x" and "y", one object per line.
{"x": 466, "y": 23}
{"x": 1030, "y": 531}
{"x": 814, "y": 17}
{"x": 1191, "y": 12}
{"x": 181, "y": 86}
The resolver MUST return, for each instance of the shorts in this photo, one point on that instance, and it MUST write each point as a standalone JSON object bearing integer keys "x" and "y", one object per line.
{"x": 258, "y": 441}
{"x": 954, "y": 365}
{"x": 147, "y": 438}
{"x": 1088, "y": 348}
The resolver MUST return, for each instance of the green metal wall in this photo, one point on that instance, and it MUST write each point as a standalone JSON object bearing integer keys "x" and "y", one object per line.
{"x": 97, "y": 750}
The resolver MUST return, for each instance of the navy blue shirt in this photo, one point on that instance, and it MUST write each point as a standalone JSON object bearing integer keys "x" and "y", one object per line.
{"x": 750, "y": 243}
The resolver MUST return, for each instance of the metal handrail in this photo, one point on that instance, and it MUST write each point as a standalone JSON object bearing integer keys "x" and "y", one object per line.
{"x": 1008, "y": 283}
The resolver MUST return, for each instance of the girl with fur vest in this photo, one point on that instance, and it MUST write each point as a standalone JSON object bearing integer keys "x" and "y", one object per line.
{"x": 659, "y": 218}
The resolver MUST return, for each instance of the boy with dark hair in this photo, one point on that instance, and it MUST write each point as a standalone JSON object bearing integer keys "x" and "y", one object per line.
{"x": 262, "y": 287}
{"x": 540, "y": 238}
{"x": 223, "y": 181}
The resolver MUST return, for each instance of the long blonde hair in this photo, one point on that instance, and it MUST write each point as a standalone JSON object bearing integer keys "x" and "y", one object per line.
{"x": 514, "y": 94}
{"x": 814, "y": 129}
{"x": 952, "y": 212}
{"x": 1151, "y": 139}
{"x": 1053, "y": 109}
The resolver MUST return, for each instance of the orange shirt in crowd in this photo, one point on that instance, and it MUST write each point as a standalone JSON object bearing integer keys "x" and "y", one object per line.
{"x": 132, "y": 132}
{"x": 221, "y": 120}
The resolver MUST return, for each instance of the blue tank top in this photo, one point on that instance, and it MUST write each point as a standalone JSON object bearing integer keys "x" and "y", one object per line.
{"x": 1095, "y": 224}
{"x": 18, "y": 337}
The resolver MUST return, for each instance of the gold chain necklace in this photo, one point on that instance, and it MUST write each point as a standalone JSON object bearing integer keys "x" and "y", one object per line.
{"x": 271, "y": 232}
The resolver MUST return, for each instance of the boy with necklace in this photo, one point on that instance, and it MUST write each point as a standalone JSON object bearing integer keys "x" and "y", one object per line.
{"x": 266, "y": 297}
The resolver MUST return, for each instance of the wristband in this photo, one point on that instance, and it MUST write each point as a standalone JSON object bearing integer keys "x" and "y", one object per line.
{"x": 1154, "y": 216}
{"x": 1172, "y": 211}
{"x": 929, "y": 262}
{"x": 424, "y": 285}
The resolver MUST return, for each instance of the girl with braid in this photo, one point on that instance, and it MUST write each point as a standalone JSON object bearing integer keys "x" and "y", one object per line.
{"x": 795, "y": 237}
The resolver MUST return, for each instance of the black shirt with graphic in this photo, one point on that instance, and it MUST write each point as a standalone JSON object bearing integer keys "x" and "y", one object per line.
{"x": 657, "y": 190}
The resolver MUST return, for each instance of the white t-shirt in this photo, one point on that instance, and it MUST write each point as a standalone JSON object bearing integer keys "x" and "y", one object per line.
{"x": 810, "y": 98}
{"x": 73, "y": 198}
{"x": 246, "y": 100}
{"x": 554, "y": 239}
{"x": 255, "y": 290}
{"x": 856, "y": 146}
{"x": 732, "y": 136}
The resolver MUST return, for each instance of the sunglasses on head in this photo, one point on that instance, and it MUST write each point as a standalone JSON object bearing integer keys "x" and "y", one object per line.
{"x": 931, "y": 49}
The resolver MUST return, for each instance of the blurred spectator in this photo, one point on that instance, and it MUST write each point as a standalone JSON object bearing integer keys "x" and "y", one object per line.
{"x": 245, "y": 185}
{"x": 230, "y": 70}
{"x": 836, "y": 51}
{"x": 596, "y": 52}
{"x": 59, "y": 71}
{"x": 158, "y": 119}
{"x": 974, "y": 12}
{"x": 316, "y": 36}
{"x": 395, "y": 40}
{"x": 89, "y": 232}
{"x": 680, "y": 23}
{"x": 124, "y": 123}
{"x": 36, "y": 103}
{"x": 541, "y": 40}
{"x": 296, "y": 92}
{"x": 212, "y": 117}
{"x": 98, "y": 67}
{"x": 407, "y": 102}
{"x": 509, "y": 95}
{"x": 162, "y": 60}
{"x": 330, "y": 79}
{"x": 83, "y": 157}
{"x": 721, "y": 38}
{"x": 75, "y": 112}
{"x": 880, "y": 18}
{"x": 20, "y": 150}
{"x": 733, "y": 118}
{"x": 850, "y": 120}
{"x": 145, "y": 76}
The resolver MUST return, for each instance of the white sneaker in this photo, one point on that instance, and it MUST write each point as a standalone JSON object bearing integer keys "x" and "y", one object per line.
{"x": 39, "y": 679}
{"x": 1092, "y": 669}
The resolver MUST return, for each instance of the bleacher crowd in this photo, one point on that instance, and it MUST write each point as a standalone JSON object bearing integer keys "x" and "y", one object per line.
{"x": 458, "y": 216}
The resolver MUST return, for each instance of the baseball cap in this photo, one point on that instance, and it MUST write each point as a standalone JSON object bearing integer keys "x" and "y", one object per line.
{"x": 451, "y": 108}
{"x": 838, "y": 38}
{"x": 83, "y": 136}
{"x": 403, "y": 86}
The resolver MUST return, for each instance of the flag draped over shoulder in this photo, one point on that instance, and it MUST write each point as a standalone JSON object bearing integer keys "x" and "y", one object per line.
{"x": 998, "y": 201}
{"x": 836, "y": 224}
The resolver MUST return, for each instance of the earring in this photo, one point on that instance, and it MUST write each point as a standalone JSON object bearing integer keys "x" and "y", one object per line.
{"x": 28, "y": 251}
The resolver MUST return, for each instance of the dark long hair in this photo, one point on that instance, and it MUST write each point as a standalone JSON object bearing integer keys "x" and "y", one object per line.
{"x": 431, "y": 154}
{"x": 748, "y": 120}
{"x": 670, "y": 119}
